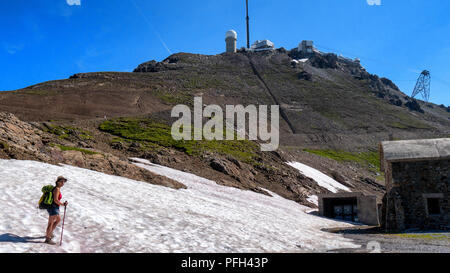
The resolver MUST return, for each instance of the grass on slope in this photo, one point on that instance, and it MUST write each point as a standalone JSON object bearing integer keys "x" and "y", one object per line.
{"x": 67, "y": 132}
{"x": 151, "y": 134}
{"x": 370, "y": 159}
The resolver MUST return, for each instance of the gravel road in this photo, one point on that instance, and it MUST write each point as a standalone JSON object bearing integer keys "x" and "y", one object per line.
{"x": 373, "y": 240}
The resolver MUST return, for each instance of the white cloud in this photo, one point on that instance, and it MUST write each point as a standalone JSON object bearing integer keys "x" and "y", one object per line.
{"x": 73, "y": 2}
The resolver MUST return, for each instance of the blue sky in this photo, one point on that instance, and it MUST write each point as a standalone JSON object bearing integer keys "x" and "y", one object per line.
{"x": 45, "y": 40}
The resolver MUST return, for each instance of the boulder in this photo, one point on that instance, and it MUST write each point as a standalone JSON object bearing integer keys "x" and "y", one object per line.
{"x": 413, "y": 105}
{"x": 304, "y": 76}
{"x": 396, "y": 102}
{"x": 225, "y": 167}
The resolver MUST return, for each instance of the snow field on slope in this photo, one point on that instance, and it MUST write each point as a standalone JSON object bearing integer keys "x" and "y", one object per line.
{"x": 114, "y": 214}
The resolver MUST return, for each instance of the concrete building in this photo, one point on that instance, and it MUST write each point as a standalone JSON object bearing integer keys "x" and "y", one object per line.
{"x": 417, "y": 184}
{"x": 230, "y": 39}
{"x": 262, "y": 45}
{"x": 306, "y": 47}
{"x": 350, "y": 206}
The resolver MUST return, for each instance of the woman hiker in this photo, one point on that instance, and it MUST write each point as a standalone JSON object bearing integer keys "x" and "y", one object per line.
{"x": 53, "y": 211}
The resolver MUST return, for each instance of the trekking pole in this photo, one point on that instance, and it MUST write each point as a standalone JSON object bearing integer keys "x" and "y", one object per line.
{"x": 62, "y": 230}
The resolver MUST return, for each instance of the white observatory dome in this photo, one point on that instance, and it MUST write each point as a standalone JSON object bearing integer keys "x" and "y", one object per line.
{"x": 231, "y": 34}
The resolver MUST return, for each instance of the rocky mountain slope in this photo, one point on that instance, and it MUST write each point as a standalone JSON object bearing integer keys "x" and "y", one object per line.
{"x": 24, "y": 141}
{"x": 325, "y": 101}
{"x": 333, "y": 115}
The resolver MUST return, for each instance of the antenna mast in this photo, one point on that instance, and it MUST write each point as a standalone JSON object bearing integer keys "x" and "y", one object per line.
{"x": 248, "y": 27}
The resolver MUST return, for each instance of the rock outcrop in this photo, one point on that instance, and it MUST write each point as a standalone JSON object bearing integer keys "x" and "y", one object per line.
{"x": 413, "y": 105}
{"x": 154, "y": 66}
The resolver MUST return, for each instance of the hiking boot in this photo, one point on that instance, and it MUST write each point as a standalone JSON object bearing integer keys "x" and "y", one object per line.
{"x": 49, "y": 241}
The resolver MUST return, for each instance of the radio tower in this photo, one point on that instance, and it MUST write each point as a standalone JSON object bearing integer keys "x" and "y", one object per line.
{"x": 248, "y": 25}
{"x": 423, "y": 85}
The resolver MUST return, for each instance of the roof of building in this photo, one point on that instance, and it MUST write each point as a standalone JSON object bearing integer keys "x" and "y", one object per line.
{"x": 405, "y": 150}
{"x": 231, "y": 34}
{"x": 340, "y": 194}
{"x": 263, "y": 43}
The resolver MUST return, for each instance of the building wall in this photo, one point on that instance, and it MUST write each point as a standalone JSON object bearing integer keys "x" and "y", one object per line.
{"x": 230, "y": 45}
{"x": 367, "y": 206}
{"x": 408, "y": 188}
{"x": 368, "y": 210}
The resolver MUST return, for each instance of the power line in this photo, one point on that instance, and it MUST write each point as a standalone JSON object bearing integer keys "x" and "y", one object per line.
{"x": 441, "y": 80}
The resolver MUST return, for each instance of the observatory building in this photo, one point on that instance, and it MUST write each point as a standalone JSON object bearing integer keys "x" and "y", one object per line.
{"x": 306, "y": 47}
{"x": 230, "y": 39}
{"x": 262, "y": 45}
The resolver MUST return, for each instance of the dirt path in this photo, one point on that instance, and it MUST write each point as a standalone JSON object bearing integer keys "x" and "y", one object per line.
{"x": 372, "y": 240}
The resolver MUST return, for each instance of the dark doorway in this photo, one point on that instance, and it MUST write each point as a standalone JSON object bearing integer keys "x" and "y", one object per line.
{"x": 433, "y": 206}
{"x": 341, "y": 208}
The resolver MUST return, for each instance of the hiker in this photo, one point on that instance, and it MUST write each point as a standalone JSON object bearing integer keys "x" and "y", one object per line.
{"x": 53, "y": 210}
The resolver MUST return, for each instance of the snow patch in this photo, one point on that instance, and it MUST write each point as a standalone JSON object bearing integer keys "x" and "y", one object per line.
{"x": 300, "y": 60}
{"x": 322, "y": 179}
{"x": 313, "y": 199}
{"x": 115, "y": 214}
